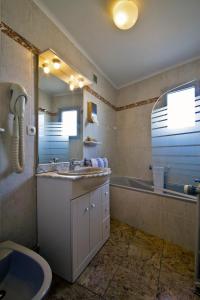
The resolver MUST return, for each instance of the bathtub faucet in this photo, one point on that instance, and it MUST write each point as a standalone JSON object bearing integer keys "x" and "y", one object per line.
{"x": 191, "y": 189}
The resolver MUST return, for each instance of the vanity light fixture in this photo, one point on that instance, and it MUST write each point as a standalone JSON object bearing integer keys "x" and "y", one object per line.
{"x": 76, "y": 82}
{"x": 46, "y": 68}
{"x": 50, "y": 62}
{"x": 56, "y": 63}
{"x": 125, "y": 14}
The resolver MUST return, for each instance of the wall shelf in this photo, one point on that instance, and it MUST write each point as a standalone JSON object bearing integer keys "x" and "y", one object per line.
{"x": 91, "y": 143}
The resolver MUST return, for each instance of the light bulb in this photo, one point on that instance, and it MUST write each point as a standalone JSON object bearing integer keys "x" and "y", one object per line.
{"x": 46, "y": 68}
{"x": 56, "y": 63}
{"x": 121, "y": 18}
{"x": 81, "y": 83}
{"x": 71, "y": 87}
{"x": 125, "y": 14}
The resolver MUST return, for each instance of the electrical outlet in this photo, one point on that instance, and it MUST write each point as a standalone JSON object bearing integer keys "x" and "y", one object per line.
{"x": 31, "y": 130}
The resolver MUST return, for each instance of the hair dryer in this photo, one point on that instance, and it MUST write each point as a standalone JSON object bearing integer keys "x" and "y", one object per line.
{"x": 17, "y": 107}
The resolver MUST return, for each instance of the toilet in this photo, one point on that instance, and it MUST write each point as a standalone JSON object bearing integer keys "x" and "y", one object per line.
{"x": 24, "y": 274}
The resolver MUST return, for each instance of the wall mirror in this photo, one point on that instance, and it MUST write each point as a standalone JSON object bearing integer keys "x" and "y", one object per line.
{"x": 175, "y": 128}
{"x": 60, "y": 110}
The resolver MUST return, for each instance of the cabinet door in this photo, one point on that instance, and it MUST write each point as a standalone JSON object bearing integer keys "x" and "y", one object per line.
{"x": 80, "y": 212}
{"x": 95, "y": 218}
{"x": 106, "y": 229}
{"x": 106, "y": 201}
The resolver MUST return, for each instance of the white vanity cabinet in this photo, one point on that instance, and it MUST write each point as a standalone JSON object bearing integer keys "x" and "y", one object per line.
{"x": 71, "y": 230}
{"x": 87, "y": 227}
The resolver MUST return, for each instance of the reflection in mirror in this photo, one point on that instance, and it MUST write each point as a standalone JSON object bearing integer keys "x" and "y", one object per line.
{"x": 60, "y": 108}
{"x": 60, "y": 120}
{"x": 175, "y": 128}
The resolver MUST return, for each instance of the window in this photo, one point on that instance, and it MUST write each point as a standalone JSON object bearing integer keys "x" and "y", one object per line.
{"x": 181, "y": 108}
{"x": 41, "y": 120}
{"x": 69, "y": 118}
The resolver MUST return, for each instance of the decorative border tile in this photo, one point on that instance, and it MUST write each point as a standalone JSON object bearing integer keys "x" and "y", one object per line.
{"x": 18, "y": 38}
{"x": 92, "y": 92}
{"x": 119, "y": 108}
{"x": 33, "y": 49}
{"x": 136, "y": 104}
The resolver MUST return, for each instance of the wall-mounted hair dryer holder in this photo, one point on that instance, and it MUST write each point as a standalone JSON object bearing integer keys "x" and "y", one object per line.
{"x": 17, "y": 108}
{"x": 17, "y": 93}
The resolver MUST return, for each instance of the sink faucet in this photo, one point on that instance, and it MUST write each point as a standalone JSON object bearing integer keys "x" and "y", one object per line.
{"x": 72, "y": 164}
{"x": 54, "y": 160}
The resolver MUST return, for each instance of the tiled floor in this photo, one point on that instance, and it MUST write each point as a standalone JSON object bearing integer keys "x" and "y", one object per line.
{"x": 132, "y": 265}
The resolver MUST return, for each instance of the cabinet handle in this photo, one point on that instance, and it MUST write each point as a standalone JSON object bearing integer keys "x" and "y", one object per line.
{"x": 106, "y": 193}
{"x": 93, "y": 205}
{"x": 86, "y": 209}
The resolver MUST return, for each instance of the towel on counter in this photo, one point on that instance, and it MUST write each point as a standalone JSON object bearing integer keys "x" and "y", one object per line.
{"x": 101, "y": 162}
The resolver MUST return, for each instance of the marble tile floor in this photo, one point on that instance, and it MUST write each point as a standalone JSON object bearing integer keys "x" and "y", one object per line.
{"x": 132, "y": 265}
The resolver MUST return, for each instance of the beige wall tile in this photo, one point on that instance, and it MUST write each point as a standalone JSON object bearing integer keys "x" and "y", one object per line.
{"x": 17, "y": 191}
{"x": 153, "y": 86}
{"x": 104, "y": 132}
{"x": 125, "y": 207}
{"x": 169, "y": 218}
{"x": 135, "y": 123}
{"x": 174, "y": 207}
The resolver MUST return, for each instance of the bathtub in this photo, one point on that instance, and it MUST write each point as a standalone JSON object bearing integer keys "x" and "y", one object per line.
{"x": 174, "y": 190}
{"x": 170, "y": 215}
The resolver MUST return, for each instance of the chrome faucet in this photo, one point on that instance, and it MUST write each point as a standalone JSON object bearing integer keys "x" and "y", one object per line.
{"x": 54, "y": 160}
{"x": 72, "y": 164}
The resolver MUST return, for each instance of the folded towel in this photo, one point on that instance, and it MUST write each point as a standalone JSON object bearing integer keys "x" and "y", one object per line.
{"x": 101, "y": 162}
{"x": 94, "y": 162}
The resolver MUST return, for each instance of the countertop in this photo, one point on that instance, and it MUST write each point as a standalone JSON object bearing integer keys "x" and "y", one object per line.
{"x": 54, "y": 174}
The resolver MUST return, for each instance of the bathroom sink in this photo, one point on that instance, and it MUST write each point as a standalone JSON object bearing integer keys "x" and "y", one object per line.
{"x": 78, "y": 182}
{"x": 83, "y": 171}
{"x": 24, "y": 275}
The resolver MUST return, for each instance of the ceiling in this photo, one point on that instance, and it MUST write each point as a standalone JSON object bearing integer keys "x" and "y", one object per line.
{"x": 166, "y": 34}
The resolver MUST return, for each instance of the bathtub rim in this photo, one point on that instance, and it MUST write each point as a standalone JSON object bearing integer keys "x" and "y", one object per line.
{"x": 185, "y": 199}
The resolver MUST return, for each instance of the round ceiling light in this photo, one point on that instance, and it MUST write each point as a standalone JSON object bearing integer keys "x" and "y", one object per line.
{"x": 125, "y": 14}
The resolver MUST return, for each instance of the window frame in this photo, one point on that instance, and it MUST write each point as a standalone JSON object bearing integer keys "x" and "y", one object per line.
{"x": 179, "y": 89}
{"x": 71, "y": 108}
